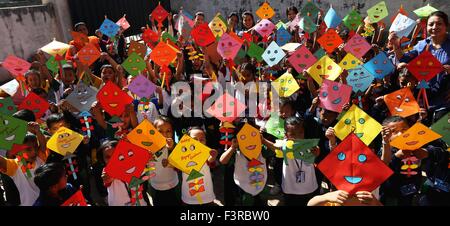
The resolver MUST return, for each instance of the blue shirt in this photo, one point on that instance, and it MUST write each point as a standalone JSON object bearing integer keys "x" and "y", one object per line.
{"x": 440, "y": 84}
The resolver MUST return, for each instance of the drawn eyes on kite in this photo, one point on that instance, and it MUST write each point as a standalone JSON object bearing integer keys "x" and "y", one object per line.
{"x": 231, "y": 103}
{"x": 375, "y": 62}
{"x": 324, "y": 94}
{"x": 430, "y": 63}
{"x": 139, "y": 131}
{"x": 406, "y": 135}
{"x": 421, "y": 132}
{"x": 385, "y": 62}
{"x": 183, "y": 149}
{"x": 130, "y": 153}
{"x": 192, "y": 147}
{"x": 407, "y": 99}
{"x": 361, "y": 121}
{"x": 348, "y": 121}
{"x": 335, "y": 88}
{"x": 121, "y": 158}
{"x": 243, "y": 137}
{"x": 253, "y": 134}
{"x": 399, "y": 97}
{"x": 116, "y": 93}
{"x": 306, "y": 56}
{"x": 362, "y": 158}
{"x": 319, "y": 67}
{"x": 341, "y": 156}
{"x": 276, "y": 51}
{"x": 152, "y": 132}
{"x": 219, "y": 106}
{"x": 330, "y": 68}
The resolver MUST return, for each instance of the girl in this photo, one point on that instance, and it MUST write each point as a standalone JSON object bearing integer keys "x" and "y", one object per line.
{"x": 165, "y": 180}
{"x": 299, "y": 183}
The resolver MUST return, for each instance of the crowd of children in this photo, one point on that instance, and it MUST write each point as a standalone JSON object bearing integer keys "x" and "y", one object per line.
{"x": 64, "y": 139}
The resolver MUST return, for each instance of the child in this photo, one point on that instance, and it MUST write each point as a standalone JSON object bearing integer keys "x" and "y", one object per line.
{"x": 52, "y": 182}
{"x": 342, "y": 198}
{"x": 164, "y": 182}
{"x": 299, "y": 183}
{"x": 400, "y": 189}
{"x": 118, "y": 194}
{"x": 35, "y": 153}
{"x": 248, "y": 193}
{"x": 207, "y": 196}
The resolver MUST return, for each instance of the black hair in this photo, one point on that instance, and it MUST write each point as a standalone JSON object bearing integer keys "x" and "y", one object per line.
{"x": 164, "y": 119}
{"x": 54, "y": 118}
{"x": 200, "y": 13}
{"x": 291, "y": 8}
{"x": 247, "y": 13}
{"x": 249, "y": 67}
{"x": 394, "y": 119}
{"x": 195, "y": 128}
{"x": 30, "y": 137}
{"x": 287, "y": 101}
{"x": 442, "y": 15}
{"x": 25, "y": 115}
{"x": 78, "y": 25}
{"x": 107, "y": 143}
{"x": 233, "y": 14}
{"x": 293, "y": 121}
{"x": 107, "y": 66}
{"x": 32, "y": 71}
{"x": 48, "y": 175}
{"x": 39, "y": 91}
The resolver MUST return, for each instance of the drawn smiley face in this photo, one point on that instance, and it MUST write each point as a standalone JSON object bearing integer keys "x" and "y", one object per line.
{"x": 189, "y": 155}
{"x": 333, "y": 95}
{"x": 325, "y": 68}
{"x": 377, "y": 12}
{"x": 273, "y": 54}
{"x": 226, "y": 108}
{"x": 228, "y": 46}
{"x": 415, "y": 137}
{"x": 15, "y": 65}
{"x": 264, "y": 27}
{"x": 380, "y": 66}
{"x": 12, "y": 131}
{"x": 109, "y": 28}
{"x": 149, "y": 36}
{"x": 357, "y": 45}
{"x": 359, "y": 79}
{"x": 302, "y": 59}
{"x": 218, "y": 25}
{"x": 138, "y": 48}
{"x": 142, "y": 87}
{"x": 353, "y": 20}
{"x": 64, "y": 141}
{"x": 353, "y": 167}
{"x": 159, "y": 14}
{"x": 127, "y": 161}
{"x": 88, "y": 54}
{"x": 146, "y": 136}
{"x": 113, "y": 99}
{"x": 82, "y": 97}
{"x": 249, "y": 140}
{"x": 36, "y": 104}
{"x": 134, "y": 64}
{"x": 402, "y": 103}
{"x": 330, "y": 40}
{"x": 202, "y": 35}
{"x": 425, "y": 66}
{"x": 163, "y": 54}
{"x": 265, "y": 11}
{"x": 307, "y": 25}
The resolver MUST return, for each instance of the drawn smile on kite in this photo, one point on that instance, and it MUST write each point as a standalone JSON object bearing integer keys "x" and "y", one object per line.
{"x": 191, "y": 164}
{"x": 10, "y": 138}
{"x": 251, "y": 147}
{"x": 131, "y": 170}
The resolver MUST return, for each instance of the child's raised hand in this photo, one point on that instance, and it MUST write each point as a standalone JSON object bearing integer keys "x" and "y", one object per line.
{"x": 330, "y": 134}
{"x": 170, "y": 143}
{"x": 386, "y": 133}
{"x": 338, "y": 196}
{"x": 106, "y": 178}
{"x": 346, "y": 106}
{"x": 33, "y": 127}
{"x": 234, "y": 143}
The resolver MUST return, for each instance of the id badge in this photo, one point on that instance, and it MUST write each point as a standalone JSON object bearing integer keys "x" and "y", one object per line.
{"x": 408, "y": 189}
{"x": 441, "y": 185}
{"x": 300, "y": 176}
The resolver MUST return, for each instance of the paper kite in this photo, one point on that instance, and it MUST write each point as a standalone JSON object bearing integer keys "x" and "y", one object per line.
{"x": 88, "y": 54}
{"x": 134, "y": 64}
{"x": 226, "y": 108}
{"x": 64, "y": 141}
{"x": 332, "y": 19}
{"x": 189, "y": 155}
{"x": 218, "y": 25}
{"x": 142, "y": 87}
{"x": 357, "y": 45}
{"x": 36, "y": 104}
{"x": 265, "y": 11}
{"x": 442, "y": 127}
{"x": 249, "y": 140}
{"x": 273, "y": 54}
{"x": 15, "y": 65}
{"x": 113, "y": 99}
{"x": 146, "y": 136}
{"x": 334, "y": 95}
{"x": 350, "y": 62}
{"x": 13, "y": 131}
{"x": 229, "y": 46}
{"x": 109, "y": 28}
{"x": 380, "y": 66}
{"x": 415, "y": 137}
{"x": 202, "y": 35}
{"x": 353, "y": 20}
{"x": 302, "y": 59}
{"x": 55, "y": 48}
{"x": 325, "y": 68}
{"x": 377, "y": 12}
{"x": 82, "y": 97}
{"x": 359, "y": 79}
{"x": 402, "y": 103}
{"x": 285, "y": 85}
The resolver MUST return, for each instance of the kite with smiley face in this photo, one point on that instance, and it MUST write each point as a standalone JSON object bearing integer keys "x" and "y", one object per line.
{"x": 333, "y": 95}
{"x": 415, "y": 137}
{"x": 7, "y": 106}
{"x": 226, "y": 108}
{"x": 109, "y": 28}
{"x": 353, "y": 167}
{"x": 202, "y": 35}
{"x": 442, "y": 126}
{"x": 325, "y": 68}
{"x": 127, "y": 161}
{"x": 146, "y": 136}
{"x": 377, "y": 12}
{"x": 88, "y": 54}
{"x": 82, "y": 97}
{"x": 425, "y": 66}
{"x": 380, "y": 66}
{"x": 265, "y": 27}
{"x": 330, "y": 40}
{"x": 142, "y": 87}
{"x": 218, "y": 25}
{"x": 285, "y": 85}
{"x": 159, "y": 14}
{"x": 36, "y": 104}
{"x": 359, "y": 78}
{"x": 353, "y": 20}
{"x": 138, "y": 48}
{"x": 12, "y": 131}
{"x": 273, "y": 54}
{"x": 55, "y": 48}
{"x": 358, "y": 122}
{"x": 265, "y": 11}
{"x": 113, "y": 99}
{"x": 402, "y": 103}
{"x": 249, "y": 140}
{"x": 15, "y": 65}
{"x": 134, "y": 64}
{"x": 357, "y": 45}
{"x": 302, "y": 59}
{"x": 189, "y": 155}
{"x": 229, "y": 46}
{"x": 65, "y": 141}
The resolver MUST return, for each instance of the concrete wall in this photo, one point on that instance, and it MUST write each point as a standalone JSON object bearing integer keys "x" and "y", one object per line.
{"x": 211, "y": 7}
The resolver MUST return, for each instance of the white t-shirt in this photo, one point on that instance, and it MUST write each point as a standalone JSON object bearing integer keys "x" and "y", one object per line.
{"x": 243, "y": 177}
{"x": 151, "y": 114}
{"x": 207, "y": 196}
{"x": 165, "y": 178}
{"x": 28, "y": 190}
{"x": 289, "y": 180}
{"x": 118, "y": 194}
